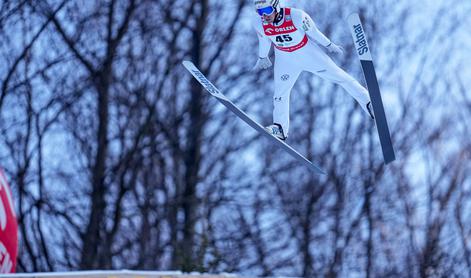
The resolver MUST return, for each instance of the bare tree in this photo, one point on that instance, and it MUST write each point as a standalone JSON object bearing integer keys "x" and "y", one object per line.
{"x": 119, "y": 159}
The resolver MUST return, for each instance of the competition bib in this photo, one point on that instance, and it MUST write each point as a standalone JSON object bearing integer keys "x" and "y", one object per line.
{"x": 286, "y": 36}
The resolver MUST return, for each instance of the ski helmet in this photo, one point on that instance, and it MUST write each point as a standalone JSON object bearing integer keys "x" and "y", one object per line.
{"x": 263, "y": 4}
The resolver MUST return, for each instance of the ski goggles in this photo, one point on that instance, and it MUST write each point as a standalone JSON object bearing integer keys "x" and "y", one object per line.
{"x": 266, "y": 11}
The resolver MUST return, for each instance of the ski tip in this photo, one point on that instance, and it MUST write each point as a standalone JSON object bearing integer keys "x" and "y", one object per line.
{"x": 352, "y": 15}
{"x": 187, "y": 63}
{"x": 189, "y": 66}
{"x": 353, "y": 18}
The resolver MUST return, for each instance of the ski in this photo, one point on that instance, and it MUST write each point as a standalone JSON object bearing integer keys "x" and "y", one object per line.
{"x": 363, "y": 51}
{"x": 246, "y": 118}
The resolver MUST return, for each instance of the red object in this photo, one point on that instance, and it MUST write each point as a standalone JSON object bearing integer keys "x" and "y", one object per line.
{"x": 8, "y": 228}
{"x": 287, "y": 27}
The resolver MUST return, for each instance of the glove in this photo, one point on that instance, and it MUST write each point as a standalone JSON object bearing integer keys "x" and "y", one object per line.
{"x": 333, "y": 48}
{"x": 262, "y": 63}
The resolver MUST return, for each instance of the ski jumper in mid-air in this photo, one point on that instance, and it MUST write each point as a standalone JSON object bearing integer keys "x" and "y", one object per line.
{"x": 297, "y": 44}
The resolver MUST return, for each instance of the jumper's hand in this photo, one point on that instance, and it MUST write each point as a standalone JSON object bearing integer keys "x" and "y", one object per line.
{"x": 262, "y": 63}
{"x": 333, "y": 48}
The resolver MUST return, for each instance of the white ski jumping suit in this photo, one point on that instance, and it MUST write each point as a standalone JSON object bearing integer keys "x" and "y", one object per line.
{"x": 297, "y": 48}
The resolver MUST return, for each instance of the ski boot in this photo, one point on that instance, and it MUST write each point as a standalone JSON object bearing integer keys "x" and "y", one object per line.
{"x": 369, "y": 108}
{"x": 276, "y": 130}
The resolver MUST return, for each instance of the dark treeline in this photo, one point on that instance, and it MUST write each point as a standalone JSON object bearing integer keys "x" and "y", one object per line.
{"x": 118, "y": 159}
